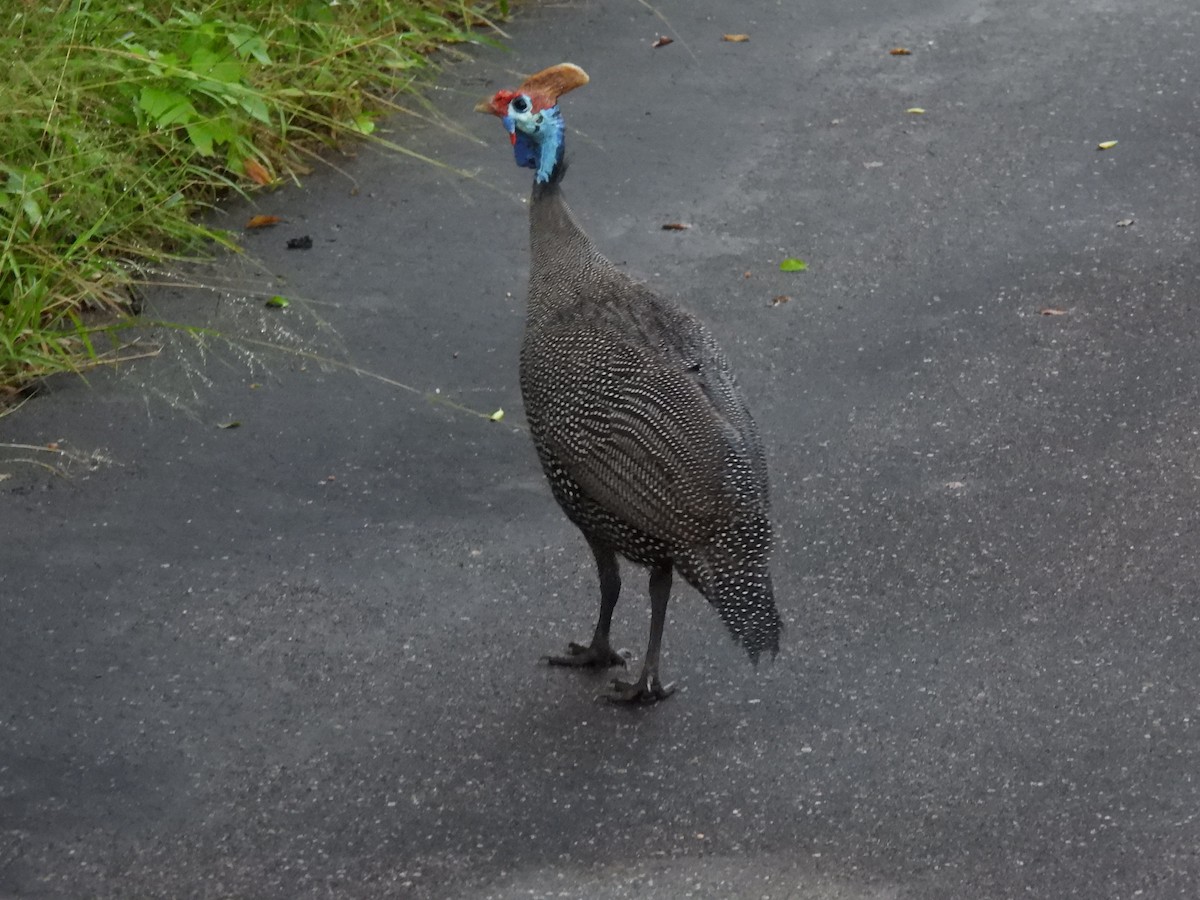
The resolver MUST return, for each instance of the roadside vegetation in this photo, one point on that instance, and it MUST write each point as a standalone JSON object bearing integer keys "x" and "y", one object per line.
{"x": 121, "y": 119}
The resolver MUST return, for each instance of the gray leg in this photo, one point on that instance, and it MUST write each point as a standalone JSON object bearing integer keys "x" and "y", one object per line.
{"x": 648, "y": 688}
{"x": 599, "y": 654}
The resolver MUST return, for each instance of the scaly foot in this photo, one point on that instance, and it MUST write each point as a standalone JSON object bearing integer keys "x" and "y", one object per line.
{"x": 647, "y": 689}
{"x": 589, "y": 656}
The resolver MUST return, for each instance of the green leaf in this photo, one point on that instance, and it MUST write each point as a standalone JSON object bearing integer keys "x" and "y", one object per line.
{"x": 22, "y": 180}
{"x": 32, "y": 209}
{"x": 278, "y": 302}
{"x": 219, "y": 67}
{"x": 166, "y": 108}
{"x": 201, "y": 136}
{"x": 246, "y": 42}
{"x": 254, "y": 104}
{"x": 209, "y": 132}
{"x": 364, "y": 124}
{"x": 791, "y": 264}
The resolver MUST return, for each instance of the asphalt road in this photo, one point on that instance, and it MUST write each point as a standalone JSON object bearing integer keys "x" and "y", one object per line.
{"x": 299, "y": 657}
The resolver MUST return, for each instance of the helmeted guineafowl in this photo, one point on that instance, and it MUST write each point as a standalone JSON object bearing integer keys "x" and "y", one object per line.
{"x": 637, "y": 420}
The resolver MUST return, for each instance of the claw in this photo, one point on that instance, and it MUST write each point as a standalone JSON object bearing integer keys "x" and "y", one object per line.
{"x": 589, "y": 656}
{"x": 645, "y": 690}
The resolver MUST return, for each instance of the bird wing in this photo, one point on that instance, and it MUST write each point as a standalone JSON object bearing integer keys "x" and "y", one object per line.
{"x": 701, "y": 356}
{"x": 636, "y": 426}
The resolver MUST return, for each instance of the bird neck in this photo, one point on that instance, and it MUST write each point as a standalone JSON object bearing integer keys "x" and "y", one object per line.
{"x": 560, "y": 249}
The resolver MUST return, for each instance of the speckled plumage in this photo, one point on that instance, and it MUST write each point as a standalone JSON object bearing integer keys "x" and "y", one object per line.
{"x": 640, "y": 427}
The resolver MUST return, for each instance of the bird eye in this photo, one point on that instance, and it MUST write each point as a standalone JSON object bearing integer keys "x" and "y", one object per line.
{"x": 520, "y": 104}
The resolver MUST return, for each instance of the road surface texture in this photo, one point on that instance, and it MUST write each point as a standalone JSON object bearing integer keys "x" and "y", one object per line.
{"x": 299, "y": 658}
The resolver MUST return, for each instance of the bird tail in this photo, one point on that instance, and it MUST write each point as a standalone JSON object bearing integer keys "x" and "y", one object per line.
{"x": 744, "y": 596}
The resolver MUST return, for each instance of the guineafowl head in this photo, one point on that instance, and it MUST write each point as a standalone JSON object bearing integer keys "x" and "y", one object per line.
{"x": 532, "y": 118}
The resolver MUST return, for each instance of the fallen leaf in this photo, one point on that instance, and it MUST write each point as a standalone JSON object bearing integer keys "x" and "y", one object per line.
{"x": 791, "y": 264}
{"x": 256, "y": 171}
{"x": 263, "y": 221}
{"x": 53, "y": 445}
{"x": 1125, "y": 223}
{"x": 735, "y": 38}
{"x": 4, "y": 476}
{"x": 676, "y": 226}
{"x": 956, "y": 485}
{"x": 497, "y": 415}
{"x": 233, "y": 424}
{"x": 746, "y": 274}
{"x": 915, "y": 110}
{"x": 278, "y": 302}
{"x": 780, "y": 300}
{"x": 1106, "y": 145}
{"x": 1052, "y": 311}
{"x": 900, "y": 51}
{"x": 662, "y": 41}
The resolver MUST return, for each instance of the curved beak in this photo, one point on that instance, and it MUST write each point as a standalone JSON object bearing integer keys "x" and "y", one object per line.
{"x": 485, "y": 106}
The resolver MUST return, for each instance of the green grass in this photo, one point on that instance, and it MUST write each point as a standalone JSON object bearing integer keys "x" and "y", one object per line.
{"x": 121, "y": 119}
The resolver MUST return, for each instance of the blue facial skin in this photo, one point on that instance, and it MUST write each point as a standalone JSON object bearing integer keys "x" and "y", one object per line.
{"x": 539, "y": 136}
{"x": 525, "y": 150}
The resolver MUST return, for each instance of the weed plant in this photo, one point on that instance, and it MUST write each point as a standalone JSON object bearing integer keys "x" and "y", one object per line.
{"x": 120, "y": 119}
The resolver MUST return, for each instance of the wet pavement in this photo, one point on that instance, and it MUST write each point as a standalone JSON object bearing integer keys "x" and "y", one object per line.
{"x": 299, "y": 657}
